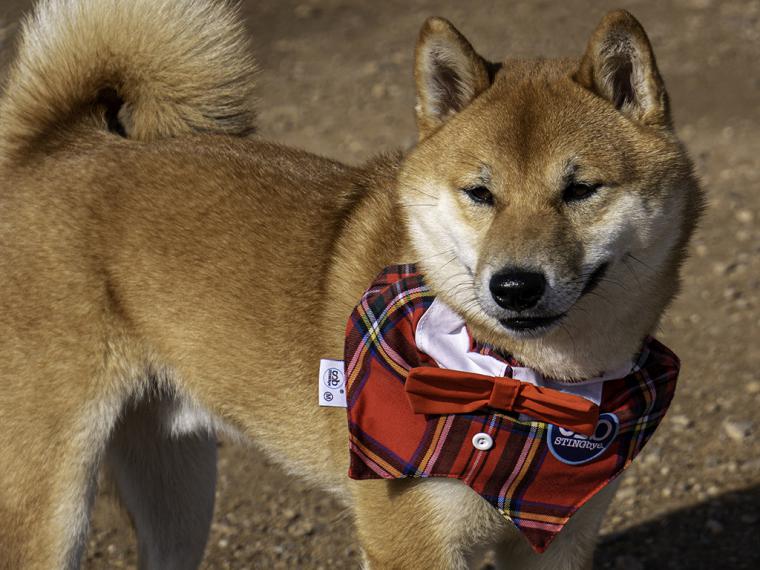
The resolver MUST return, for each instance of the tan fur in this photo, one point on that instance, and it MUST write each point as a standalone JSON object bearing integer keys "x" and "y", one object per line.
{"x": 179, "y": 66}
{"x": 182, "y": 279}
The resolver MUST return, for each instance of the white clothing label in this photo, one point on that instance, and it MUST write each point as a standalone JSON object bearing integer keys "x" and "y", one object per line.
{"x": 332, "y": 383}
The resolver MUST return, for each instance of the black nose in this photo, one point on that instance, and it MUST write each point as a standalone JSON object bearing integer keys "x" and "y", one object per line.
{"x": 516, "y": 289}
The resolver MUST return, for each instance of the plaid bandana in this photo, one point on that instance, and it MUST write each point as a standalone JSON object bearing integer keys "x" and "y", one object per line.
{"x": 536, "y": 474}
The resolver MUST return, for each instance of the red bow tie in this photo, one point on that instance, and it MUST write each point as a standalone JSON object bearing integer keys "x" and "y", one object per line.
{"x": 432, "y": 390}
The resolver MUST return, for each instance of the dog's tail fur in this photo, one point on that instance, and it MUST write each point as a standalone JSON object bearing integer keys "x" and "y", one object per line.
{"x": 145, "y": 69}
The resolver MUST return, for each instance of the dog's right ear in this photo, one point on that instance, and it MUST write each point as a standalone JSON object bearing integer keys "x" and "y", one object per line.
{"x": 619, "y": 66}
{"x": 448, "y": 72}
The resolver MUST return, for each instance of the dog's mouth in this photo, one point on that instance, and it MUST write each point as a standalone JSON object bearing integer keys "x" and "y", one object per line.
{"x": 595, "y": 278}
{"x": 530, "y": 324}
{"x": 537, "y": 325}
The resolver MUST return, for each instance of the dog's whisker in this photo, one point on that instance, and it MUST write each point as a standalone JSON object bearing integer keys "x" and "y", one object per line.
{"x": 602, "y": 297}
{"x": 614, "y": 282}
{"x": 417, "y": 205}
{"x": 632, "y": 272}
{"x": 429, "y": 257}
{"x": 442, "y": 267}
{"x": 456, "y": 275}
{"x": 649, "y": 267}
{"x": 449, "y": 261}
{"x": 563, "y": 326}
{"x": 425, "y": 193}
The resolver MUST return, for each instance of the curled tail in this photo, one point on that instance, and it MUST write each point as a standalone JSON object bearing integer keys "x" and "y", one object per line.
{"x": 146, "y": 69}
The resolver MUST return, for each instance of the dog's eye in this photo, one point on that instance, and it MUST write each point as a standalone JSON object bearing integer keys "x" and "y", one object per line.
{"x": 575, "y": 191}
{"x": 479, "y": 195}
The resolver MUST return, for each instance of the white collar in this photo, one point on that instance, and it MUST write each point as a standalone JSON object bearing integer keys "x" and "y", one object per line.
{"x": 442, "y": 334}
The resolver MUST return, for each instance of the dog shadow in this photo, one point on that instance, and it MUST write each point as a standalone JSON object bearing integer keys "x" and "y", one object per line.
{"x": 721, "y": 533}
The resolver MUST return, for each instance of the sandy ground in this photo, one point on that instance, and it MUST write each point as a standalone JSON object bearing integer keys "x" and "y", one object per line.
{"x": 336, "y": 80}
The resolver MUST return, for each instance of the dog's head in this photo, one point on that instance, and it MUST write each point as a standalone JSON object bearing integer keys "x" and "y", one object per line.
{"x": 549, "y": 201}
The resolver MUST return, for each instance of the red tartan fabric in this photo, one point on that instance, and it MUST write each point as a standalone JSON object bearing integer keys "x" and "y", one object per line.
{"x": 536, "y": 474}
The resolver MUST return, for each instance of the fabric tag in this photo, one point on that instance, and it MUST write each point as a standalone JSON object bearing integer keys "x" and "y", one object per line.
{"x": 332, "y": 383}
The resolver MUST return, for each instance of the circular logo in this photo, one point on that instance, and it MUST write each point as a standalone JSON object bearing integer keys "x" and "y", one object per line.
{"x": 575, "y": 449}
{"x": 333, "y": 378}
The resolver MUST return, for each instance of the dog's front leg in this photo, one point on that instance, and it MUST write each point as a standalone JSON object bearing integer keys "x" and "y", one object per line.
{"x": 434, "y": 524}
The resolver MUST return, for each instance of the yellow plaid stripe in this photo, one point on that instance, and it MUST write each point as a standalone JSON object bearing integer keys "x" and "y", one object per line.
{"x": 375, "y": 337}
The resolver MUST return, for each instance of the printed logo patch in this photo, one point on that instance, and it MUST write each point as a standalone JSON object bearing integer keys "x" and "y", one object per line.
{"x": 575, "y": 449}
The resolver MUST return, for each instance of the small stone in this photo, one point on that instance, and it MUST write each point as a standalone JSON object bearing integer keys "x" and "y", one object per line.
{"x": 745, "y": 216}
{"x": 370, "y": 68}
{"x": 736, "y": 430}
{"x": 729, "y": 293}
{"x": 625, "y": 494}
{"x": 305, "y": 11}
{"x": 752, "y": 387}
{"x": 223, "y": 543}
{"x": 719, "y": 268}
{"x": 301, "y": 528}
{"x": 665, "y": 470}
{"x": 379, "y": 90}
{"x": 712, "y": 491}
{"x": 666, "y": 492}
{"x": 715, "y": 527}
{"x": 680, "y": 422}
{"x": 355, "y": 146}
{"x": 649, "y": 458}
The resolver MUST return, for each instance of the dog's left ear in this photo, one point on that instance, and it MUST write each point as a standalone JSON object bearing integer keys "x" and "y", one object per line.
{"x": 448, "y": 72}
{"x": 619, "y": 65}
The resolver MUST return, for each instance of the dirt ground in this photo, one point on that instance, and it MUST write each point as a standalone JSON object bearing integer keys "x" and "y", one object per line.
{"x": 336, "y": 80}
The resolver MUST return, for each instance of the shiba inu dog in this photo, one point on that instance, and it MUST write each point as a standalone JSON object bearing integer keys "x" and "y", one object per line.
{"x": 165, "y": 275}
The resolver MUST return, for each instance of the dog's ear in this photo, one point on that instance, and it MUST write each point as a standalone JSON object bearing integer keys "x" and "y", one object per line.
{"x": 448, "y": 72}
{"x": 619, "y": 66}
